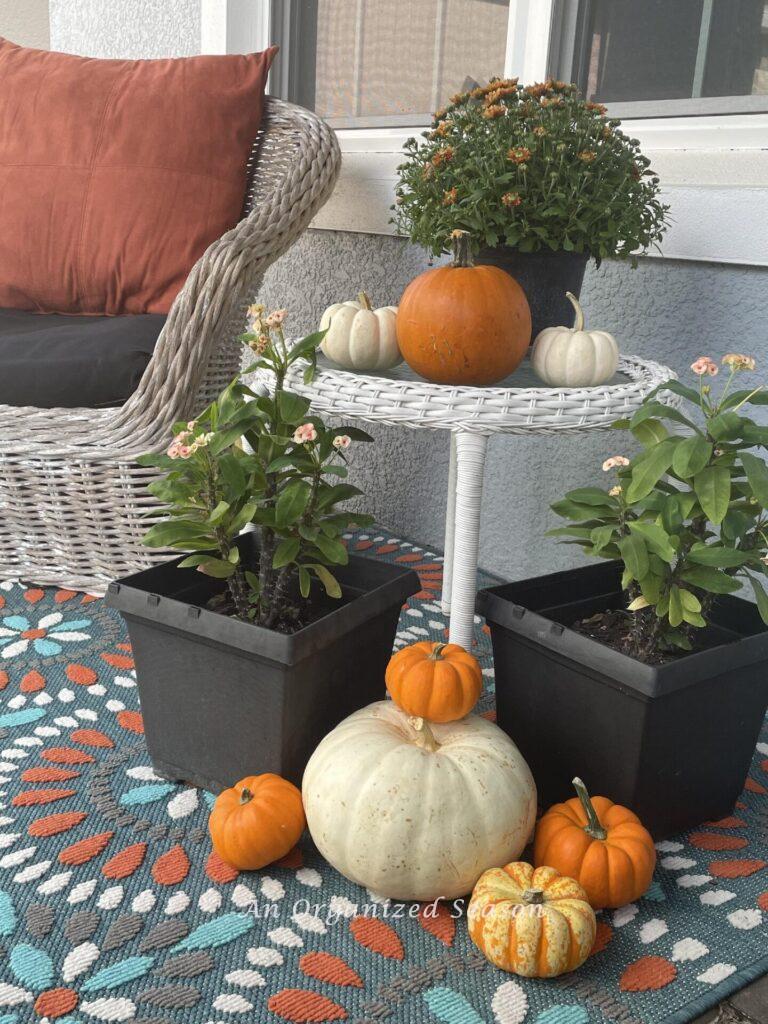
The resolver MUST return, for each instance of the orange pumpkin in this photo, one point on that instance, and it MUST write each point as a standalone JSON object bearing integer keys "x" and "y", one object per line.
{"x": 439, "y": 682}
{"x": 463, "y": 324}
{"x": 600, "y": 844}
{"x": 257, "y": 821}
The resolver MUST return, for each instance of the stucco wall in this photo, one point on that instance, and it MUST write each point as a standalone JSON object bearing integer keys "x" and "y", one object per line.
{"x": 25, "y": 22}
{"x": 666, "y": 310}
{"x": 126, "y": 28}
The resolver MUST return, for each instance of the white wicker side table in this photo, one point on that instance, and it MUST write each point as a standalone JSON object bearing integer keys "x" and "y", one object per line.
{"x": 518, "y": 405}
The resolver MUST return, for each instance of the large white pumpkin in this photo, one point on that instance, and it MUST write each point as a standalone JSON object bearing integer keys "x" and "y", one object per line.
{"x": 359, "y": 337}
{"x": 416, "y": 811}
{"x": 572, "y": 357}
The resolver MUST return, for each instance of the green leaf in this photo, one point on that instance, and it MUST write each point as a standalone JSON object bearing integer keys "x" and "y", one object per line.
{"x": 708, "y": 578}
{"x": 291, "y": 502}
{"x": 600, "y": 537}
{"x": 656, "y": 539}
{"x": 678, "y": 389}
{"x": 757, "y": 474}
{"x": 338, "y": 492}
{"x": 285, "y": 552}
{"x": 725, "y": 426}
{"x": 650, "y": 432}
{"x": 691, "y": 456}
{"x": 590, "y": 496}
{"x": 355, "y": 433}
{"x": 735, "y": 525}
{"x": 634, "y": 554}
{"x": 192, "y": 561}
{"x": 689, "y": 601}
{"x": 717, "y": 555}
{"x": 217, "y": 568}
{"x": 307, "y": 346}
{"x": 713, "y": 489}
{"x": 292, "y": 408}
{"x": 675, "y": 606}
{"x": 671, "y": 514}
{"x": 244, "y": 516}
{"x": 761, "y": 598}
{"x": 305, "y": 582}
{"x": 176, "y": 532}
{"x": 332, "y": 549}
{"x": 218, "y": 513}
{"x": 328, "y": 580}
{"x": 648, "y": 469}
{"x": 658, "y": 410}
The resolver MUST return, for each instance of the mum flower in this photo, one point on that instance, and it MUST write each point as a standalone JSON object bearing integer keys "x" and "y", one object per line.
{"x": 342, "y": 441}
{"x": 704, "y": 365}
{"x": 519, "y": 154}
{"x": 615, "y": 462}
{"x": 736, "y": 361}
{"x": 304, "y": 434}
{"x": 511, "y": 199}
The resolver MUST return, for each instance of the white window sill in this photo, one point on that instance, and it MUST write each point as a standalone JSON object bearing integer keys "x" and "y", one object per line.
{"x": 713, "y": 170}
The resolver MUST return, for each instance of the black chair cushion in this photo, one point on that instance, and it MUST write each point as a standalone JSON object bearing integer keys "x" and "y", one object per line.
{"x": 50, "y": 360}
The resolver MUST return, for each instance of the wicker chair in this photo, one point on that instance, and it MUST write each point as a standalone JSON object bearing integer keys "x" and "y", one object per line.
{"x": 73, "y": 503}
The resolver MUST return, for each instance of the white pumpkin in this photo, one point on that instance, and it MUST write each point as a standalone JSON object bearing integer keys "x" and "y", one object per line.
{"x": 359, "y": 337}
{"x": 417, "y": 811}
{"x": 572, "y": 357}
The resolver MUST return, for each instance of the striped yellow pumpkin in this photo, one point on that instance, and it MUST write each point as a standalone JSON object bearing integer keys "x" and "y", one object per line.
{"x": 531, "y": 922}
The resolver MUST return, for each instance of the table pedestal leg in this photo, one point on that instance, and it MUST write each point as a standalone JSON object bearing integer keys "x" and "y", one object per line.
{"x": 470, "y": 462}
{"x": 450, "y": 521}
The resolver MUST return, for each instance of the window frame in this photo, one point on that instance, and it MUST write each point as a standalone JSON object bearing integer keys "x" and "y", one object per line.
{"x": 696, "y": 154}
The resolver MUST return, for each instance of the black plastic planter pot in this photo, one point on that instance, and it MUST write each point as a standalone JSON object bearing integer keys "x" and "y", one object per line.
{"x": 673, "y": 742}
{"x": 222, "y": 698}
{"x": 545, "y": 277}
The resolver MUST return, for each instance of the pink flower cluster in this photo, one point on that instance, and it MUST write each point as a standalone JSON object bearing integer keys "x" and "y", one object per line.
{"x": 615, "y": 462}
{"x": 183, "y": 446}
{"x": 704, "y": 365}
{"x": 736, "y": 361}
{"x": 304, "y": 434}
{"x": 342, "y": 441}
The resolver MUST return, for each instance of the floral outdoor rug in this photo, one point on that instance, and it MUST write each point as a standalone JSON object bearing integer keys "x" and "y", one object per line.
{"x": 113, "y": 908}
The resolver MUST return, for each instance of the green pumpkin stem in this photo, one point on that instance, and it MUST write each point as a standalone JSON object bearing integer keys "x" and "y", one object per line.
{"x": 245, "y": 796}
{"x": 364, "y": 301}
{"x": 578, "y": 323}
{"x": 593, "y": 827}
{"x": 462, "y": 254}
{"x": 437, "y": 652}
{"x": 533, "y": 896}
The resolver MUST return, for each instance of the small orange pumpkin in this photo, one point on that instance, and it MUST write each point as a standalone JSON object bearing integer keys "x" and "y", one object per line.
{"x": 257, "y": 821}
{"x": 439, "y": 682}
{"x": 463, "y": 324}
{"x": 600, "y": 844}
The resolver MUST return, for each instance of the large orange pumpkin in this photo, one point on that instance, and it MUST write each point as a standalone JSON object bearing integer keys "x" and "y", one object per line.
{"x": 439, "y": 682}
{"x": 463, "y": 324}
{"x": 257, "y": 821}
{"x": 600, "y": 844}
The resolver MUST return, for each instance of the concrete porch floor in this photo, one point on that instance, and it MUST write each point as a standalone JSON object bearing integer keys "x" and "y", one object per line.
{"x": 749, "y": 1006}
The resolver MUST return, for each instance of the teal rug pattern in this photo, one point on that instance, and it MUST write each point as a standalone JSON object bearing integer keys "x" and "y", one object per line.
{"x": 114, "y": 908}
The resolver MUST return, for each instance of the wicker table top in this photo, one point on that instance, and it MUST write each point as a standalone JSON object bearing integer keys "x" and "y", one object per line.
{"x": 517, "y": 405}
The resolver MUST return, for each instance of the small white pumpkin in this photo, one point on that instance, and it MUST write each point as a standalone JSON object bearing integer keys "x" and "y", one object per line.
{"x": 359, "y": 337}
{"x": 417, "y": 811}
{"x": 572, "y": 357}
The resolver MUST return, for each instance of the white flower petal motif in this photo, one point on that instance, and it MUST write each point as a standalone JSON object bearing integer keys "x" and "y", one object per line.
{"x": 716, "y": 973}
{"x": 653, "y": 930}
{"x": 68, "y": 637}
{"x": 66, "y": 696}
{"x": 716, "y": 897}
{"x": 308, "y": 876}
{"x": 271, "y": 888}
{"x": 746, "y": 919}
{"x": 232, "y": 1003}
{"x": 55, "y": 883}
{"x": 263, "y": 956}
{"x": 10, "y": 995}
{"x": 177, "y": 903}
{"x": 142, "y": 772}
{"x": 688, "y": 949}
{"x": 184, "y": 803}
{"x": 79, "y": 960}
{"x": 243, "y": 896}
{"x": 509, "y": 1003}
{"x": 18, "y": 647}
{"x": 82, "y": 891}
{"x": 50, "y": 620}
{"x": 248, "y": 979}
{"x": 309, "y": 923}
{"x": 144, "y": 901}
{"x": 285, "y": 937}
{"x": 342, "y": 907}
{"x": 209, "y": 901}
{"x": 624, "y": 915}
{"x": 12, "y": 860}
{"x": 111, "y": 897}
{"x": 32, "y": 872}
{"x": 110, "y": 1009}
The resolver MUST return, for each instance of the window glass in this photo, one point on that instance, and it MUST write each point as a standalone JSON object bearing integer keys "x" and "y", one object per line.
{"x": 402, "y": 59}
{"x": 635, "y": 50}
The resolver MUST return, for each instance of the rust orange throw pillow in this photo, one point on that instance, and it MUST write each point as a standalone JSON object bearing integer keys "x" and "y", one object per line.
{"x": 115, "y": 175}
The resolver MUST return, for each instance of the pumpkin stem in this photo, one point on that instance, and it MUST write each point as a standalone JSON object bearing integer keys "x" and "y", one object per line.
{"x": 437, "y": 652}
{"x": 364, "y": 301}
{"x": 533, "y": 896}
{"x": 245, "y": 795}
{"x": 593, "y": 827}
{"x": 424, "y": 735}
{"x": 578, "y": 323}
{"x": 462, "y": 254}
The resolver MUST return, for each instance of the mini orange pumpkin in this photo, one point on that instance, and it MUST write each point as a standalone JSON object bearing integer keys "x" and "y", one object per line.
{"x": 439, "y": 682}
{"x": 600, "y": 844}
{"x": 257, "y": 821}
{"x": 463, "y": 324}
